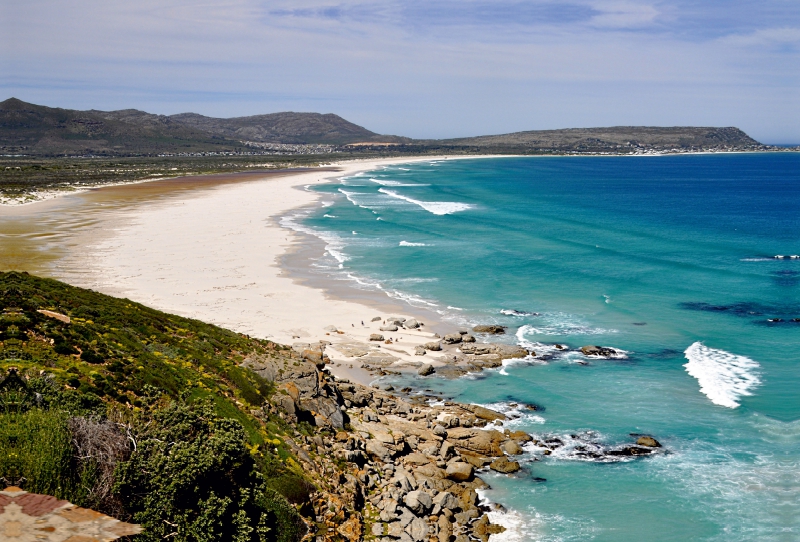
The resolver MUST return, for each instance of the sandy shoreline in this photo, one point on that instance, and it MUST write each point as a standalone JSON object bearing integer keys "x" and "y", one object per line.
{"x": 214, "y": 254}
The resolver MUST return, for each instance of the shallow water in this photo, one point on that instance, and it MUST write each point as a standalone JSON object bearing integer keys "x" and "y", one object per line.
{"x": 671, "y": 260}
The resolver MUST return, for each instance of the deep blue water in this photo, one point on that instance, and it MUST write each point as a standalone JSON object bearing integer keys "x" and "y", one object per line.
{"x": 669, "y": 259}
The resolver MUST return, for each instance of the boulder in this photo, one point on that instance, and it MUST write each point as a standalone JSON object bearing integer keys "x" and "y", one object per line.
{"x": 376, "y": 337}
{"x": 433, "y": 346}
{"x": 481, "y": 442}
{"x": 476, "y": 349}
{"x": 452, "y": 338}
{"x": 467, "y": 338}
{"x": 378, "y": 450}
{"x": 648, "y": 441}
{"x": 520, "y": 436}
{"x": 631, "y": 451}
{"x": 395, "y": 529}
{"x": 459, "y": 471}
{"x": 491, "y": 329}
{"x": 418, "y": 529}
{"x": 512, "y": 448}
{"x": 418, "y": 502}
{"x": 447, "y": 450}
{"x": 446, "y": 501}
{"x": 485, "y": 413}
{"x": 391, "y": 327}
{"x": 376, "y": 319}
{"x": 598, "y": 351}
{"x": 426, "y": 370}
{"x": 411, "y": 323}
{"x": 419, "y": 351}
{"x": 452, "y": 371}
{"x": 416, "y": 458}
{"x": 503, "y": 465}
{"x": 509, "y": 351}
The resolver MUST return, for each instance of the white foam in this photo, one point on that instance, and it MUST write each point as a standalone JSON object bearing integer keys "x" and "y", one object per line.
{"x": 330, "y": 216}
{"x": 560, "y": 324}
{"x": 723, "y": 377}
{"x": 513, "y": 312}
{"x": 435, "y": 207}
{"x": 409, "y": 244}
{"x": 387, "y": 182}
{"x": 518, "y": 416}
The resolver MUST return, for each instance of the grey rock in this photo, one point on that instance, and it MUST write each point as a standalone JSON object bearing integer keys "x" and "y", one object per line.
{"x": 376, "y": 337}
{"x": 426, "y": 370}
{"x": 418, "y": 529}
{"x": 395, "y": 529}
{"x": 378, "y": 450}
{"x": 411, "y": 323}
{"x": 419, "y": 351}
{"x": 467, "y": 338}
{"x": 452, "y": 338}
{"x": 439, "y": 431}
{"x": 406, "y": 517}
{"x": 598, "y": 351}
{"x": 391, "y": 327}
{"x": 376, "y": 319}
{"x": 491, "y": 329}
{"x": 446, "y": 500}
{"x": 418, "y": 502}
{"x": 331, "y": 329}
{"x": 433, "y": 346}
{"x": 447, "y": 450}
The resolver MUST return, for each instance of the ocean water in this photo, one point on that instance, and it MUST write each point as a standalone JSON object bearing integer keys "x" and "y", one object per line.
{"x": 672, "y": 261}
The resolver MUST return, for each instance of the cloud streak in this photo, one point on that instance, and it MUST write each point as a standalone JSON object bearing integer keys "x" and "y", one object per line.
{"x": 425, "y": 69}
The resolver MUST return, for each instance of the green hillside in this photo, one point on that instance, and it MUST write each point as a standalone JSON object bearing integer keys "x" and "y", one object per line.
{"x": 146, "y": 416}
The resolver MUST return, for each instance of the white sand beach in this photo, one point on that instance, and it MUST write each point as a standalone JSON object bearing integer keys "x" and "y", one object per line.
{"x": 213, "y": 254}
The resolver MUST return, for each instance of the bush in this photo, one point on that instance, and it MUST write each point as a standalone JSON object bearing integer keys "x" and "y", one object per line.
{"x": 192, "y": 478}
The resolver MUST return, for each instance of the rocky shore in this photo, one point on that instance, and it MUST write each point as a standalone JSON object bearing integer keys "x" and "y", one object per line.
{"x": 395, "y": 467}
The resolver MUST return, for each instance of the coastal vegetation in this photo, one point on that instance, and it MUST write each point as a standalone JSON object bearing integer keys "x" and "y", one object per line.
{"x": 144, "y": 416}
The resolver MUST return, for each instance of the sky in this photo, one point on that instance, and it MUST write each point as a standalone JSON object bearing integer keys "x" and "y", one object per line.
{"x": 426, "y": 69}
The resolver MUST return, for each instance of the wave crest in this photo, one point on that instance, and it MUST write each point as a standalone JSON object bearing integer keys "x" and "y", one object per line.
{"x": 434, "y": 207}
{"x": 723, "y": 377}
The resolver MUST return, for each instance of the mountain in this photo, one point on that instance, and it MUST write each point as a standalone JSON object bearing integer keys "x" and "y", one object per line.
{"x": 614, "y": 139}
{"x": 36, "y": 130}
{"x": 297, "y": 128}
{"x": 39, "y": 130}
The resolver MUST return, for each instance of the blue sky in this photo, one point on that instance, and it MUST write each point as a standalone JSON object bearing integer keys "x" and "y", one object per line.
{"x": 422, "y": 69}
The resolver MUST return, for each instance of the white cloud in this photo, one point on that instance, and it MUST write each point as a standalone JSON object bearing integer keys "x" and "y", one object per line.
{"x": 622, "y": 14}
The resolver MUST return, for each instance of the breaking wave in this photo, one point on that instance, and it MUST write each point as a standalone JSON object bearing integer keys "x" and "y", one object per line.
{"x": 435, "y": 207}
{"x": 723, "y": 377}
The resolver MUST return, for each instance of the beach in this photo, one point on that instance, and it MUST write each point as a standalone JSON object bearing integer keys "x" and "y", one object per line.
{"x": 211, "y": 250}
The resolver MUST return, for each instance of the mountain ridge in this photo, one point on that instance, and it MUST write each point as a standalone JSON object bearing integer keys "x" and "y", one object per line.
{"x": 37, "y": 130}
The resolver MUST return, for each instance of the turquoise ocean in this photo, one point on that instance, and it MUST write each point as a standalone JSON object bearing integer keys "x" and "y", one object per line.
{"x": 683, "y": 263}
